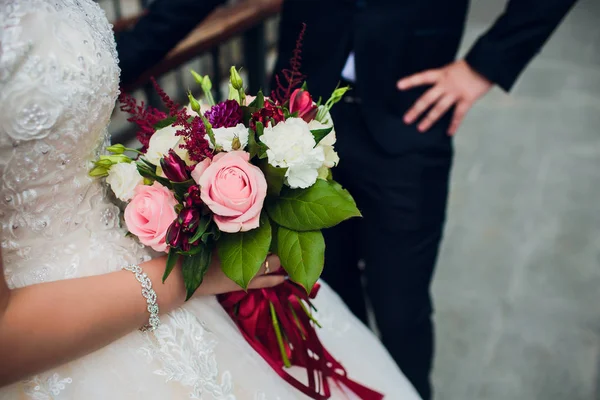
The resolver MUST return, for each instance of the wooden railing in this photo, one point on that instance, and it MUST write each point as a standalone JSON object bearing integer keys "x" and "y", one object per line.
{"x": 247, "y": 18}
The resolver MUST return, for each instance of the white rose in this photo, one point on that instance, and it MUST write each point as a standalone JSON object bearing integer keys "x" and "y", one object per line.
{"x": 291, "y": 145}
{"x": 123, "y": 179}
{"x": 224, "y": 137}
{"x": 331, "y": 157}
{"x": 162, "y": 141}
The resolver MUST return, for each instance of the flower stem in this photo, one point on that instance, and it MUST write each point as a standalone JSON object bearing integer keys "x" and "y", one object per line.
{"x": 309, "y": 314}
{"x": 209, "y": 131}
{"x": 277, "y": 328}
{"x": 134, "y": 150}
{"x": 209, "y": 98}
{"x": 297, "y": 320}
{"x": 242, "y": 95}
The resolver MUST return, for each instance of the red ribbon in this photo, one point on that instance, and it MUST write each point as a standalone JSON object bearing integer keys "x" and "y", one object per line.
{"x": 251, "y": 312}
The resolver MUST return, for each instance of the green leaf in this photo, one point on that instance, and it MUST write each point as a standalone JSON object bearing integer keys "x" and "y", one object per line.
{"x": 259, "y": 129}
{"x": 206, "y": 236}
{"x": 274, "y": 230}
{"x": 148, "y": 170}
{"x": 302, "y": 255}
{"x": 202, "y": 227}
{"x": 181, "y": 188}
{"x": 216, "y": 233}
{"x": 256, "y": 148}
{"x": 247, "y": 114}
{"x": 213, "y": 232}
{"x": 243, "y": 253}
{"x": 163, "y": 123}
{"x": 192, "y": 251}
{"x": 274, "y": 176}
{"x": 171, "y": 262}
{"x": 319, "y": 134}
{"x": 259, "y": 101}
{"x": 253, "y": 147}
{"x": 323, "y": 205}
{"x": 194, "y": 267}
{"x": 342, "y": 192}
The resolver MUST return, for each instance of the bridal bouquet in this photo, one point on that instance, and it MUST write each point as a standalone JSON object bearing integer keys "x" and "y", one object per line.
{"x": 245, "y": 177}
{"x": 242, "y": 178}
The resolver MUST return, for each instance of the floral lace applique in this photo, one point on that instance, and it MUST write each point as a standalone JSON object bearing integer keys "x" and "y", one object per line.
{"x": 39, "y": 388}
{"x": 185, "y": 349}
{"x": 59, "y": 79}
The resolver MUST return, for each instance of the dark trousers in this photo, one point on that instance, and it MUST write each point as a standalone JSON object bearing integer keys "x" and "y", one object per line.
{"x": 403, "y": 202}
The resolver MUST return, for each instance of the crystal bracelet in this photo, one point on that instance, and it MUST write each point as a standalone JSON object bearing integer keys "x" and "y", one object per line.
{"x": 150, "y": 296}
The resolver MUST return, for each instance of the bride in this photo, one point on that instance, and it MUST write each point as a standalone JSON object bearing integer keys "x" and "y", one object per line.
{"x": 69, "y": 311}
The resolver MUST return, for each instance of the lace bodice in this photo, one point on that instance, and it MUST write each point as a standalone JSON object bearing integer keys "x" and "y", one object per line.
{"x": 58, "y": 85}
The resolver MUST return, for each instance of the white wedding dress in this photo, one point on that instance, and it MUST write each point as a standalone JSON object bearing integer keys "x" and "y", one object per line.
{"x": 58, "y": 85}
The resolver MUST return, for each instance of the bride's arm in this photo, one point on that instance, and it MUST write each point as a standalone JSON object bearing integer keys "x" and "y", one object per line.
{"x": 48, "y": 324}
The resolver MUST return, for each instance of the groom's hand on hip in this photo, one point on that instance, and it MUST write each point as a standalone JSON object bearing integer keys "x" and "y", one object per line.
{"x": 456, "y": 84}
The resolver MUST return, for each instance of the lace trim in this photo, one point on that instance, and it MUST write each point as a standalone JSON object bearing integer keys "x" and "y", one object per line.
{"x": 38, "y": 388}
{"x": 185, "y": 348}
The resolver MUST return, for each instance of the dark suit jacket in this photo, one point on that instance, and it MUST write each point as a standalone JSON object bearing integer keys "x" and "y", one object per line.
{"x": 396, "y": 38}
{"x": 156, "y": 33}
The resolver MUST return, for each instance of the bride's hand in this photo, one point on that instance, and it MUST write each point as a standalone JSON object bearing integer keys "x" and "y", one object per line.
{"x": 216, "y": 282}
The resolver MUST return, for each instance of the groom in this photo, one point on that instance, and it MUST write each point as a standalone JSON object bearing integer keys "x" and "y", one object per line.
{"x": 394, "y": 138}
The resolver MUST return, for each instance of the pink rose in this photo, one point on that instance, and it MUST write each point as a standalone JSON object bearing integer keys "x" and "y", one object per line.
{"x": 234, "y": 190}
{"x": 150, "y": 213}
{"x": 199, "y": 169}
{"x": 302, "y": 103}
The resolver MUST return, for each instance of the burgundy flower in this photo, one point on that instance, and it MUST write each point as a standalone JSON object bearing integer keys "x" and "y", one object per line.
{"x": 143, "y": 116}
{"x": 189, "y": 218}
{"x": 193, "y": 131}
{"x": 183, "y": 228}
{"x": 174, "y": 167}
{"x": 269, "y": 113}
{"x": 224, "y": 115}
{"x": 192, "y": 197}
{"x": 185, "y": 244}
{"x": 302, "y": 103}
{"x": 175, "y": 234}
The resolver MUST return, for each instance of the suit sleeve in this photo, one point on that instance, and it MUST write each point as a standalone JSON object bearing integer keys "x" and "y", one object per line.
{"x": 157, "y": 32}
{"x": 504, "y": 51}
